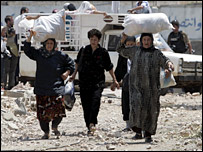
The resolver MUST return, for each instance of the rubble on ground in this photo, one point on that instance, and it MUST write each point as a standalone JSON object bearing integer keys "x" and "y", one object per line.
{"x": 179, "y": 124}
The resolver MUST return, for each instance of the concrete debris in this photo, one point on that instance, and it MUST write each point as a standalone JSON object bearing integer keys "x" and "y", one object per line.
{"x": 179, "y": 125}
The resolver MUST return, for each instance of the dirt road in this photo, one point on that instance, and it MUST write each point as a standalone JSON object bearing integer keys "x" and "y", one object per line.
{"x": 179, "y": 126}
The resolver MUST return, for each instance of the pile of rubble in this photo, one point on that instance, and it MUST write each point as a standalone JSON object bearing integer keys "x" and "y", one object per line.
{"x": 179, "y": 124}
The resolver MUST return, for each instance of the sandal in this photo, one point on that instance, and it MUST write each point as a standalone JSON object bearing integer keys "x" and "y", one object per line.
{"x": 137, "y": 136}
{"x": 92, "y": 128}
{"x": 56, "y": 132}
{"x": 126, "y": 130}
{"x": 148, "y": 139}
{"x": 46, "y": 136}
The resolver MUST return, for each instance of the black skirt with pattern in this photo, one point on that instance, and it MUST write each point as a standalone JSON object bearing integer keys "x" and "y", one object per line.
{"x": 50, "y": 107}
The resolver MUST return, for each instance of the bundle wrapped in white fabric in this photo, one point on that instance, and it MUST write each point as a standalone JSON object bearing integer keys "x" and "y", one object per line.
{"x": 51, "y": 26}
{"x": 146, "y": 23}
{"x": 27, "y": 24}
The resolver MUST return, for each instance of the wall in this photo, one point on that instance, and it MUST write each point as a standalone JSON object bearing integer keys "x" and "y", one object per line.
{"x": 190, "y": 19}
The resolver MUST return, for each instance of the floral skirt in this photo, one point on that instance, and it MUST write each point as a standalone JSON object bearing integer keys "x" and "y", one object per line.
{"x": 50, "y": 107}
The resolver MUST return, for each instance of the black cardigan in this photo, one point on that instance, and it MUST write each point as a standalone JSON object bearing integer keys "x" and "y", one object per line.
{"x": 49, "y": 71}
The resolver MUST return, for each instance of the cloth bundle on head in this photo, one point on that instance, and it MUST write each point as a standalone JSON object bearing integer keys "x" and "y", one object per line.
{"x": 45, "y": 27}
{"x": 51, "y": 26}
{"x": 146, "y": 23}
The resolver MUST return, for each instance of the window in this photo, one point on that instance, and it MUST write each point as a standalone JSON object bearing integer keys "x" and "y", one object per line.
{"x": 113, "y": 42}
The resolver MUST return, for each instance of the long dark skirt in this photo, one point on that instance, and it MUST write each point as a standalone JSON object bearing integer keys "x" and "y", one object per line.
{"x": 49, "y": 108}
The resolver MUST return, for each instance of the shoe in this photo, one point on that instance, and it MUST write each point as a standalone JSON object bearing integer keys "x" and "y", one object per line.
{"x": 148, "y": 139}
{"x": 126, "y": 130}
{"x": 92, "y": 128}
{"x": 137, "y": 136}
{"x": 89, "y": 133}
{"x": 46, "y": 136}
{"x": 56, "y": 132}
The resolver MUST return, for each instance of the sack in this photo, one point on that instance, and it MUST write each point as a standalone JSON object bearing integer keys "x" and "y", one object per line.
{"x": 52, "y": 26}
{"x": 146, "y": 23}
{"x": 27, "y": 24}
{"x": 166, "y": 82}
{"x": 69, "y": 96}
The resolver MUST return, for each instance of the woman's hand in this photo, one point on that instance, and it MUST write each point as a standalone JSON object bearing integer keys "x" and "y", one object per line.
{"x": 169, "y": 70}
{"x": 65, "y": 75}
{"x": 72, "y": 77}
{"x": 115, "y": 85}
{"x": 31, "y": 35}
{"x": 130, "y": 11}
{"x": 171, "y": 66}
{"x": 124, "y": 37}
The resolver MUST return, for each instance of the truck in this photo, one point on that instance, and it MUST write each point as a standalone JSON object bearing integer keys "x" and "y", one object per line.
{"x": 188, "y": 67}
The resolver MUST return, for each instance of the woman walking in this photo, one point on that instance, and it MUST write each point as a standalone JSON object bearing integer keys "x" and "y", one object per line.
{"x": 53, "y": 67}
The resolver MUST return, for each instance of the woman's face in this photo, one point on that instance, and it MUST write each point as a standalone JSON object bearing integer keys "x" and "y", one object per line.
{"x": 130, "y": 43}
{"x": 49, "y": 45}
{"x": 94, "y": 41}
{"x": 147, "y": 42}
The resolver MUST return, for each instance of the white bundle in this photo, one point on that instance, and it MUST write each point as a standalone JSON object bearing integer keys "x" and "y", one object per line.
{"x": 52, "y": 26}
{"x": 146, "y": 23}
{"x": 27, "y": 24}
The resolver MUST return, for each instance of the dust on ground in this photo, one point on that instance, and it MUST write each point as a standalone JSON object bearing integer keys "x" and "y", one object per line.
{"x": 179, "y": 125}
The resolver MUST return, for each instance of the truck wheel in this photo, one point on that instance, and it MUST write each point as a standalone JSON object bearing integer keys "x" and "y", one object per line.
{"x": 193, "y": 89}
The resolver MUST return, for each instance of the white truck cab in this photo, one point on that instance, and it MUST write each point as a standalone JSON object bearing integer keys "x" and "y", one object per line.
{"x": 188, "y": 68}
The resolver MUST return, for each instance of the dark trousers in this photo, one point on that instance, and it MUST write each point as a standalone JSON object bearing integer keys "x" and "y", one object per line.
{"x": 125, "y": 98}
{"x": 45, "y": 125}
{"x": 9, "y": 71}
{"x": 90, "y": 98}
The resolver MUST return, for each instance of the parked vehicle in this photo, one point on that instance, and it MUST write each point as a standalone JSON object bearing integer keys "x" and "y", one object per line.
{"x": 188, "y": 67}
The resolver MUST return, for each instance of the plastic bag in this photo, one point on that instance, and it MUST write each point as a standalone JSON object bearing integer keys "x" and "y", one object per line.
{"x": 166, "y": 82}
{"x": 69, "y": 96}
{"x": 51, "y": 26}
{"x": 146, "y": 23}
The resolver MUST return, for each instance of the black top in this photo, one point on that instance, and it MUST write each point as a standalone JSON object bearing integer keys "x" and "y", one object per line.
{"x": 121, "y": 68}
{"x": 49, "y": 70}
{"x": 176, "y": 42}
{"x": 92, "y": 65}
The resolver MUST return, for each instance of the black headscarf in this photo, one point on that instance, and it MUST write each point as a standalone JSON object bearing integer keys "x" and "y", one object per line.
{"x": 45, "y": 53}
{"x": 141, "y": 45}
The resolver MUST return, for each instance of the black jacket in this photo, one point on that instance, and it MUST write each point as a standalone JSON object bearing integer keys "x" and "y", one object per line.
{"x": 92, "y": 65}
{"x": 49, "y": 70}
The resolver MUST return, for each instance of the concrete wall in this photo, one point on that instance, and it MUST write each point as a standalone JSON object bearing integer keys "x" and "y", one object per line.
{"x": 190, "y": 19}
{"x": 189, "y": 15}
